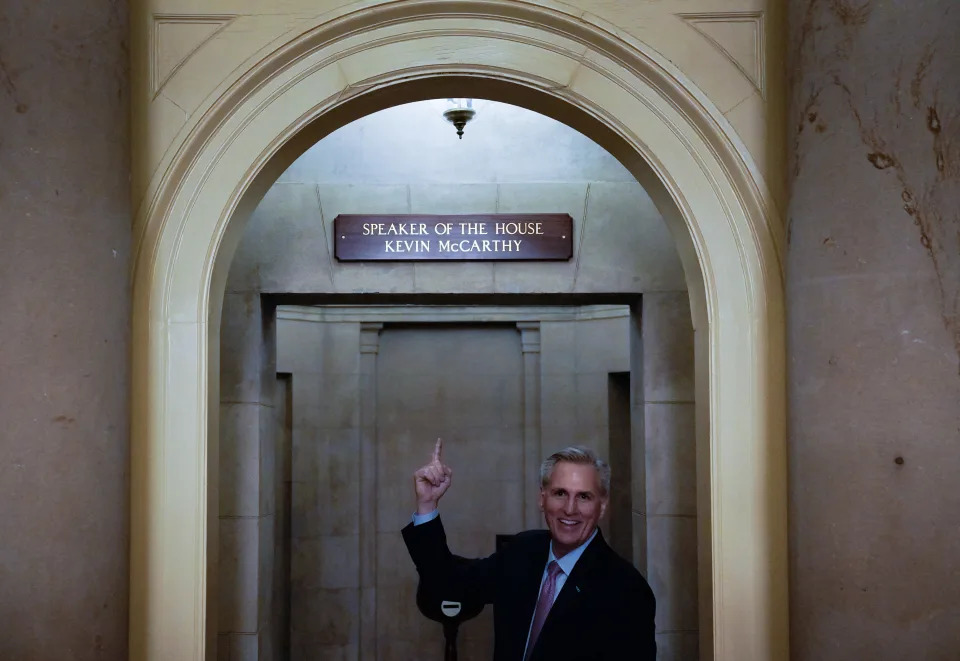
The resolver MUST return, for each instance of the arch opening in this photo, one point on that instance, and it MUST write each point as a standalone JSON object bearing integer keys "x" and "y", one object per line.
{"x": 605, "y": 131}
{"x": 432, "y": 86}
{"x": 709, "y": 202}
{"x": 402, "y": 160}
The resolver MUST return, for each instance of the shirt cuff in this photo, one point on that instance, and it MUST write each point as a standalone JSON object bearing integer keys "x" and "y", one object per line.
{"x": 419, "y": 519}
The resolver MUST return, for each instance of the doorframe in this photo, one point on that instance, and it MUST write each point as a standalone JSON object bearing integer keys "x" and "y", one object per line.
{"x": 617, "y": 91}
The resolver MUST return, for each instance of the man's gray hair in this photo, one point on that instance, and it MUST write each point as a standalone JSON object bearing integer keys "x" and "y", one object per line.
{"x": 577, "y": 454}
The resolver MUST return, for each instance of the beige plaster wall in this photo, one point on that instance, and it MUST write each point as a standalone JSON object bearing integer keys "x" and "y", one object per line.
{"x": 874, "y": 330}
{"x": 64, "y": 330}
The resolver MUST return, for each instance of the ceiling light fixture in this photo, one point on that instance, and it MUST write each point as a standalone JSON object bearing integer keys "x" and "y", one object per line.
{"x": 460, "y": 112}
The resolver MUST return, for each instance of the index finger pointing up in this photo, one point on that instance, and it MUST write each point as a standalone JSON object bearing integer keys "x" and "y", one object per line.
{"x": 437, "y": 449}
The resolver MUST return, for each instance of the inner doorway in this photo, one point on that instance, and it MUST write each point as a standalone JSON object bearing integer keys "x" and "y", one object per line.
{"x": 360, "y": 394}
{"x": 499, "y": 383}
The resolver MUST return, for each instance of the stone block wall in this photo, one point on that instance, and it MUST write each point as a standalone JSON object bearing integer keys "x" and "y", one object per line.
{"x": 669, "y": 465}
{"x": 250, "y": 425}
{"x": 354, "y": 388}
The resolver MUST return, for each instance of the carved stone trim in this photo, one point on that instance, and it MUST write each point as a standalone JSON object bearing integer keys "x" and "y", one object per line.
{"x": 689, "y": 152}
{"x": 369, "y": 337}
{"x": 756, "y": 72}
{"x": 158, "y": 76}
{"x": 530, "y": 345}
{"x": 530, "y": 336}
{"x": 367, "y": 547}
{"x": 366, "y": 314}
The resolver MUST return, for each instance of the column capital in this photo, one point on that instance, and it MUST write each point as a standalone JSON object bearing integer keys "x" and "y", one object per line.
{"x": 529, "y": 336}
{"x": 370, "y": 337}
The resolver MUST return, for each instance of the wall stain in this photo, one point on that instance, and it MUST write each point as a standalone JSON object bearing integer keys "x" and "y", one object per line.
{"x": 897, "y": 121}
{"x": 7, "y": 84}
{"x": 880, "y": 160}
{"x": 924, "y": 201}
{"x": 851, "y": 13}
{"x": 923, "y": 66}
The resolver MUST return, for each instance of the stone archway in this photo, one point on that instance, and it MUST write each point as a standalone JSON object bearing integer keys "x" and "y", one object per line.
{"x": 618, "y": 93}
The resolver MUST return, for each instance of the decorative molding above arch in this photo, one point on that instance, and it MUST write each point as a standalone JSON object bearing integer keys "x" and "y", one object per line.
{"x": 175, "y": 38}
{"x": 739, "y": 36}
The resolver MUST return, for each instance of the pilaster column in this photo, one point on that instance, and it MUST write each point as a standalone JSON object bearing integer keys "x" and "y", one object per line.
{"x": 244, "y": 483}
{"x": 369, "y": 346}
{"x": 530, "y": 346}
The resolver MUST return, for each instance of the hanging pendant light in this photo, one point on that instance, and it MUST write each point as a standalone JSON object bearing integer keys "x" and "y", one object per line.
{"x": 460, "y": 112}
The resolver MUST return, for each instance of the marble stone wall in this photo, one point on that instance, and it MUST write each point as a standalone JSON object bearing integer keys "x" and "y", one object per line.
{"x": 64, "y": 330}
{"x": 873, "y": 294}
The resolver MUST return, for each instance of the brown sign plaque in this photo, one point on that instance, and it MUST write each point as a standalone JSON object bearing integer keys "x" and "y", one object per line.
{"x": 490, "y": 237}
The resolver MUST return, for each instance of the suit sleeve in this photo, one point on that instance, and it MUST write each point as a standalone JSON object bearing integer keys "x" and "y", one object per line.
{"x": 444, "y": 575}
{"x": 632, "y": 633}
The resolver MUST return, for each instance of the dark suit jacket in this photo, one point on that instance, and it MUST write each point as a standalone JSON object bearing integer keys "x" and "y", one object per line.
{"x": 604, "y": 612}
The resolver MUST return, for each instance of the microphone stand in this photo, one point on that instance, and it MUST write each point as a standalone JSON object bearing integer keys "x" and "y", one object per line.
{"x": 450, "y": 628}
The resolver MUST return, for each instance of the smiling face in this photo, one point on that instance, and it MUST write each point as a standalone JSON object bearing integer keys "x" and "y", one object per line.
{"x": 572, "y": 505}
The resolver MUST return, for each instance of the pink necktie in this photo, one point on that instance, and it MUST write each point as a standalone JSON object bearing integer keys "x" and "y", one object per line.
{"x": 543, "y": 604}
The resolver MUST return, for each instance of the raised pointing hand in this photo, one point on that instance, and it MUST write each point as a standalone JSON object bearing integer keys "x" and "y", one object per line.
{"x": 432, "y": 481}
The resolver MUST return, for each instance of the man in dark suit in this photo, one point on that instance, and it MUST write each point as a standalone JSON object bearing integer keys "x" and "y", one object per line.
{"x": 560, "y": 594}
